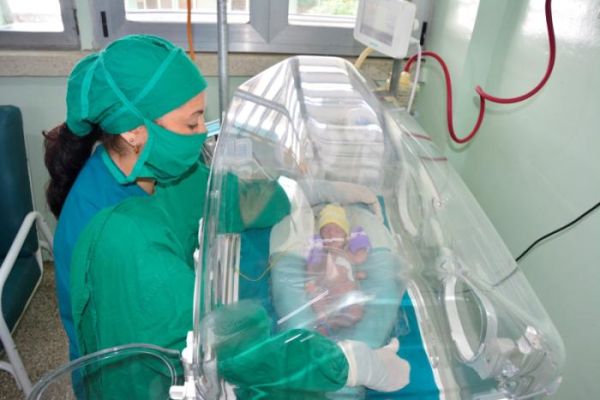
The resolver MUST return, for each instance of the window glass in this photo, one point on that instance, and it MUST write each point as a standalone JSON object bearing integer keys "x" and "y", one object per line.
{"x": 203, "y": 11}
{"x": 340, "y": 13}
{"x": 30, "y": 16}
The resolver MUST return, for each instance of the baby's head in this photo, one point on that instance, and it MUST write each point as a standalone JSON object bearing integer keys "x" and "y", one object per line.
{"x": 334, "y": 226}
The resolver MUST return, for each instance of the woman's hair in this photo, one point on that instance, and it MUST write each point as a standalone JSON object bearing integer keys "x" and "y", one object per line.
{"x": 65, "y": 156}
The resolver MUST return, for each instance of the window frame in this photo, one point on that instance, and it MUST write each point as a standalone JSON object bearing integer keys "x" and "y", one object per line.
{"x": 68, "y": 39}
{"x": 267, "y": 32}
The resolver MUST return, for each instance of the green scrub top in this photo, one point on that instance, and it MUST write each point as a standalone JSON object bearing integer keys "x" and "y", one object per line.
{"x": 132, "y": 281}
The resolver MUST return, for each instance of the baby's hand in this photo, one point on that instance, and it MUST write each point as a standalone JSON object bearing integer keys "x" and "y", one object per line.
{"x": 361, "y": 275}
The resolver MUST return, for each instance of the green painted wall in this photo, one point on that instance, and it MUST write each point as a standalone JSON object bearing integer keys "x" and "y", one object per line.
{"x": 533, "y": 166}
{"x": 42, "y": 104}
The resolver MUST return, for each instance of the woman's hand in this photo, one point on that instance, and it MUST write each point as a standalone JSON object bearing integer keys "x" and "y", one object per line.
{"x": 381, "y": 369}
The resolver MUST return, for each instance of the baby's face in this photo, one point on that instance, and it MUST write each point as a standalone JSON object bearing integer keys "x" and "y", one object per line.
{"x": 333, "y": 236}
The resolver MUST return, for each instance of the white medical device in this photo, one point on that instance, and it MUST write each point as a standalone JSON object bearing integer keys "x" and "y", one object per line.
{"x": 386, "y": 25}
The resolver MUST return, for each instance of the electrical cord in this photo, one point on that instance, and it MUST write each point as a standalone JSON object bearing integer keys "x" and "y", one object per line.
{"x": 483, "y": 96}
{"x": 554, "y": 232}
{"x": 541, "y": 239}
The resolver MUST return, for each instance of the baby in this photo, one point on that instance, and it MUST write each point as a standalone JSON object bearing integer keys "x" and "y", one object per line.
{"x": 332, "y": 281}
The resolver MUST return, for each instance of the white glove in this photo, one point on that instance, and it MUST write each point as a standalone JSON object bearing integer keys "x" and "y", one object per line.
{"x": 382, "y": 369}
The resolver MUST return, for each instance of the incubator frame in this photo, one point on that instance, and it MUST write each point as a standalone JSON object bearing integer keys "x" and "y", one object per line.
{"x": 433, "y": 239}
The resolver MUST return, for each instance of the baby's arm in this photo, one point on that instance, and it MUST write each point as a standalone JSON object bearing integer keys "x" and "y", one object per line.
{"x": 359, "y": 257}
{"x": 312, "y": 270}
{"x": 360, "y": 275}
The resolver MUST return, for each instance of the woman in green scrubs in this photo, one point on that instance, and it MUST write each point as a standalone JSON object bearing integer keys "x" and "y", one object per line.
{"x": 132, "y": 273}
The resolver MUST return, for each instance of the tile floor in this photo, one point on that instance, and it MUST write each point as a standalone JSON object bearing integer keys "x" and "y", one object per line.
{"x": 39, "y": 337}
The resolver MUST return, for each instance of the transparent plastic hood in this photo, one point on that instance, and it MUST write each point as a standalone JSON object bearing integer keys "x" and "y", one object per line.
{"x": 328, "y": 213}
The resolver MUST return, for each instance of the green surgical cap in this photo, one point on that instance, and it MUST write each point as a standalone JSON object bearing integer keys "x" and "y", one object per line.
{"x": 136, "y": 77}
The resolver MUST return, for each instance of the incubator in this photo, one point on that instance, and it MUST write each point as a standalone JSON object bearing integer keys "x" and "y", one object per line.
{"x": 332, "y": 219}
{"x": 310, "y": 134}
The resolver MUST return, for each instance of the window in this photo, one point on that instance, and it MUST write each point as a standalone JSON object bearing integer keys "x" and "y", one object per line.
{"x": 272, "y": 26}
{"x": 203, "y": 11}
{"x": 340, "y": 13}
{"x": 38, "y": 23}
{"x": 31, "y": 16}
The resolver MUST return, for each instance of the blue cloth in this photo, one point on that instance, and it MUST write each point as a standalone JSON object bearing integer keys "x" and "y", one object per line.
{"x": 254, "y": 259}
{"x": 93, "y": 190}
{"x": 422, "y": 384}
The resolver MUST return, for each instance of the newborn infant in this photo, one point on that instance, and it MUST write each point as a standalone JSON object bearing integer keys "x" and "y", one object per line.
{"x": 332, "y": 281}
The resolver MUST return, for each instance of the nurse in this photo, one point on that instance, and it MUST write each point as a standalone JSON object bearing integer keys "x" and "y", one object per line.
{"x": 128, "y": 227}
{"x": 141, "y": 68}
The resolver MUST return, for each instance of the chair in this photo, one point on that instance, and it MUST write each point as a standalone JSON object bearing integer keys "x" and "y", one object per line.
{"x": 22, "y": 268}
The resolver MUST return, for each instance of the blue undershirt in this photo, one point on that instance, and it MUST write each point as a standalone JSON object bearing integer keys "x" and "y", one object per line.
{"x": 93, "y": 190}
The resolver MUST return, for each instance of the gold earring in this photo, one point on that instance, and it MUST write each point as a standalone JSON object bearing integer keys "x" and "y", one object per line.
{"x": 136, "y": 147}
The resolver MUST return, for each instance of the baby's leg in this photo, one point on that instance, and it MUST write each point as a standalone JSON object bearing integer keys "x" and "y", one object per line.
{"x": 349, "y": 316}
{"x": 321, "y": 308}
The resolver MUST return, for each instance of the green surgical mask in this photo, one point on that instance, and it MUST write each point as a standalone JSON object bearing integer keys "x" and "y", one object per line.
{"x": 167, "y": 156}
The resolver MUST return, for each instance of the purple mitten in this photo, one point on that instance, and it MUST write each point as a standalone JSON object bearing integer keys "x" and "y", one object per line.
{"x": 358, "y": 240}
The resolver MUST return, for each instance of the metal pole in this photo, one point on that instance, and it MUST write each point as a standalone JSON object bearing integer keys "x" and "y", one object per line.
{"x": 395, "y": 79}
{"x": 223, "y": 52}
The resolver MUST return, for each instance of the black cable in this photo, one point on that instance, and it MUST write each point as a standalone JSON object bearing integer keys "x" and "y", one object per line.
{"x": 576, "y": 220}
{"x": 554, "y": 232}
